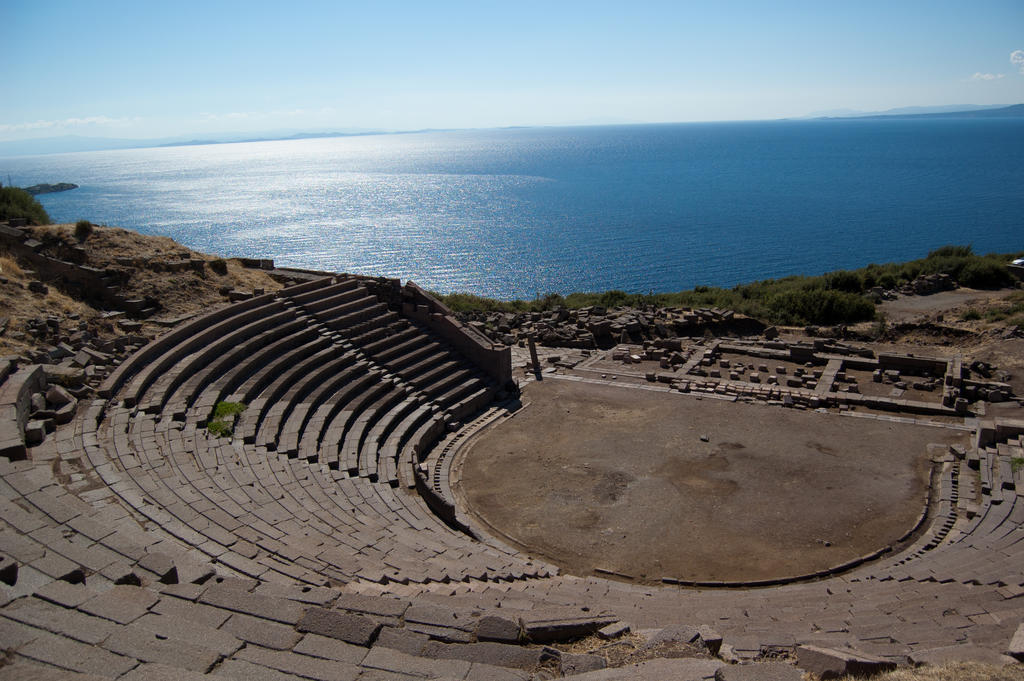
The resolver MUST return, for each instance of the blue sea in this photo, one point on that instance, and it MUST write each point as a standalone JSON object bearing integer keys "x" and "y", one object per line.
{"x": 520, "y": 212}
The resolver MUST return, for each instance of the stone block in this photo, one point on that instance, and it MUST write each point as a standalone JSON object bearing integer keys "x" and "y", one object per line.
{"x": 830, "y": 663}
{"x": 613, "y": 630}
{"x": 759, "y": 671}
{"x": 370, "y": 605}
{"x": 402, "y": 640}
{"x": 261, "y": 632}
{"x": 58, "y": 396}
{"x": 343, "y": 626}
{"x": 500, "y": 629}
{"x": 331, "y": 649}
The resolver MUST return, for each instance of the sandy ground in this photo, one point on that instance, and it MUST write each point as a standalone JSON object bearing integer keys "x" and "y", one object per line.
{"x": 592, "y": 476}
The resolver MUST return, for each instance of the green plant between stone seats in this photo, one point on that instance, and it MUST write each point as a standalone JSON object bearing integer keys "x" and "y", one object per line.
{"x": 223, "y": 420}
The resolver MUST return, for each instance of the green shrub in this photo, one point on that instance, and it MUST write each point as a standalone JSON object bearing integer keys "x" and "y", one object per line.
{"x": 18, "y": 203}
{"x": 218, "y": 429}
{"x": 219, "y": 266}
{"x": 951, "y": 251}
{"x": 985, "y": 273}
{"x": 844, "y": 280}
{"x": 834, "y": 298}
{"x": 224, "y": 409}
{"x": 83, "y": 228}
{"x": 970, "y": 315}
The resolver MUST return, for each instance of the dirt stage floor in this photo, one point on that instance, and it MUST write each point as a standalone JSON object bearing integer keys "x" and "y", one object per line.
{"x": 654, "y": 484}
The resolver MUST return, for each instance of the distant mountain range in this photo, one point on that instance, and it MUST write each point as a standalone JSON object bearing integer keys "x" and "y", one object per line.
{"x": 74, "y": 143}
{"x": 949, "y": 111}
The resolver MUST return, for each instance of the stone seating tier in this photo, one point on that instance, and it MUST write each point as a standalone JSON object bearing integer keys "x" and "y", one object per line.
{"x": 134, "y": 544}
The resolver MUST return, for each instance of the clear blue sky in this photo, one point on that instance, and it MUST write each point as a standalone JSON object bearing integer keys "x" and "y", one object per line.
{"x": 141, "y": 70}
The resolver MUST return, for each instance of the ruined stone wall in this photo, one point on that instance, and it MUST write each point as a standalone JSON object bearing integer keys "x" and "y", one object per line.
{"x": 493, "y": 358}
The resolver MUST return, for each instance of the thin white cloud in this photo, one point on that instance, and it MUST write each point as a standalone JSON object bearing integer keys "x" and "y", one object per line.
{"x": 67, "y": 123}
{"x": 1017, "y": 59}
{"x": 987, "y": 76}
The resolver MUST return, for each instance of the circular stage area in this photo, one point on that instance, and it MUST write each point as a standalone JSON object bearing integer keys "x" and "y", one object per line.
{"x": 654, "y": 485}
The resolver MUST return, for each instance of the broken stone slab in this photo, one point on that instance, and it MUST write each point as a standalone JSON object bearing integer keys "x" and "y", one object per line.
{"x": 495, "y": 654}
{"x": 58, "y": 396}
{"x": 1016, "y": 647}
{"x": 759, "y": 671}
{"x": 542, "y": 626}
{"x": 65, "y": 413}
{"x": 614, "y": 630}
{"x": 500, "y": 629}
{"x": 69, "y": 377}
{"x": 831, "y": 663}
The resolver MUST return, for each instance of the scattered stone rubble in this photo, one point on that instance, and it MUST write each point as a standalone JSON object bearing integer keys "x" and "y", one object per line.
{"x": 593, "y": 327}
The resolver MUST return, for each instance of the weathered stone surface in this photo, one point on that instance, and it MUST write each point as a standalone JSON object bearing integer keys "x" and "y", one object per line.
{"x": 581, "y": 664}
{"x": 27, "y": 671}
{"x": 161, "y": 672}
{"x": 403, "y": 640}
{"x": 121, "y": 604}
{"x": 497, "y": 654}
{"x": 1016, "y": 647}
{"x": 79, "y": 657}
{"x": 299, "y": 665}
{"x": 390, "y": 660}
{"x": 225, "y": 595}
{"x": 149, "y": 646}
{"x": 340, "y": 625}
{"x": 261, "y": 632}
{"x": 380, "y": 607}
{"x": 562, "y": 623}
{"x": 501, "y": 629}
{"x": 330, "y": 648}
{"x": 614, "y": 630}
{"x": 830, "y": 663}
{"x": 759, "y": 671}
{"x": 678, "y": 669}
{"x": 959, "y": 653}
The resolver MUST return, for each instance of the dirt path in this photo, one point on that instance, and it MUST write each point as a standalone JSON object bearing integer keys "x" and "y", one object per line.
{"x": 918, "y": 309}
{"x": 593, "y": 476}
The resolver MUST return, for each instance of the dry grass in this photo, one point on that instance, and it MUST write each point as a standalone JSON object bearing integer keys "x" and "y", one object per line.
{"x": 629, "y": 649}
{"x": 179, "y": 293}
{"x": 9, "y": 267}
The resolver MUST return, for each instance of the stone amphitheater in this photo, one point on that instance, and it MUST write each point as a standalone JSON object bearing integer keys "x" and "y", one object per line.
{"x": 322, "y": 539}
